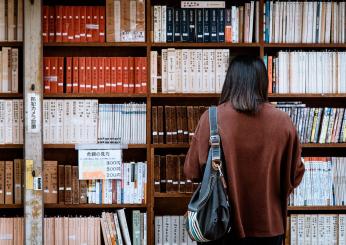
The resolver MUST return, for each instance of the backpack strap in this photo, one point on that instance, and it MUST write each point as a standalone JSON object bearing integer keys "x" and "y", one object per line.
{"x": 214, "y": 139}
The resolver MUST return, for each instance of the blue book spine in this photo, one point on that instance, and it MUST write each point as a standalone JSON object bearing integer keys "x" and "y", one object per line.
{"x": 170, "y": 25}
{"x": 265, "y": 60}
{"x": 318, "y": 21}
{"x": 192, "y": 25}
{"x": 100, "y": 191}
{"x": 213, "y": 25}
{"x": 199, "y": 25}
{"x": 206, "y": 25}
{"x": 221, "y": 25}
{"x": 267, "y": 20}
{"x": 177, "y": 31}
{"x": 184, "y": 28}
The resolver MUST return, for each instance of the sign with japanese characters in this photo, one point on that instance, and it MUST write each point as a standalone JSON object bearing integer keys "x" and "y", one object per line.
{"x": 99, "y": 164}
{"x": 33, "y": 111}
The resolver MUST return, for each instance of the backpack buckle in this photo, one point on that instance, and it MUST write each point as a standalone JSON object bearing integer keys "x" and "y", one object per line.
{"x": 214, "y": 140}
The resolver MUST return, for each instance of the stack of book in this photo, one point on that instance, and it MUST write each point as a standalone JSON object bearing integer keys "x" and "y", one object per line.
{"x": 317, "y": 229}
{"x": 206, "y": 22}
{"x": 11, "y": 182}
{"x": 169, "y": 175}
{"x": 73, "y": 23}
{"x": 171, "y": 230}
{"x": 61, "y": 184}
{"x": 317, "y": 125}
{"x": 11, "y": 122}
{"x": 295, "y": 72}
{"x": 323, "y": 183}
{"x": 12, "y": 231}
{"x": 304, "y": 22}
{"x": 175, "y": 124}
{"x": 188, "y": 70}
{"x": 9, "y": 70}
{"x": 11, "y": 20}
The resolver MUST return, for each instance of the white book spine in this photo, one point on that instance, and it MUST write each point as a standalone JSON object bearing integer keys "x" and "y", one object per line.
{"x": 153, "y": 71}
{"x": 158, "y": 230}
{"x": 178, "y": 71}
{"x": 167, "y": 229}
{"x": 2, "y": 122}
{"x": 157, "y": 23}
{"x": 206, "y": 80}
{"x": 164, "y": 54}
{"x": 14, "y": 70}
{"x": 21, "y": 126}
{"x": 8, "y": 122}
{"x": 199, "y": 70}
{"x": 192, "y": 86}
{"x": 171, "y": 63}
{"x": 211, "y": 71}
{"x": 16, "y": 122}
{"x": 185, "y": 70}
{"x": 163, "y": 23}
{"x": 5, "y": 72}
{"x": 117, "y": 20}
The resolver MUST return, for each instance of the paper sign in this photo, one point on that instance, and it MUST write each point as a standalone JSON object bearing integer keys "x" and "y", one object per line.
{"x": 99, "y": 164}
{"x": 29, "y": 179}
{"x": 33, "y": 109}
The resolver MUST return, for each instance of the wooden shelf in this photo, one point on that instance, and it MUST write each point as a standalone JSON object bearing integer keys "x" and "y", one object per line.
{"x": 89, "y": 95}
{"x": 90, "y": 44}
{"x": 72, "y": 146}
{"x": 172, "y": 195}
{"x": 11, "y": 44}
{"x": 11, "y": 96}
{"x": 11, "y": 146}
{"x": 184, "y": 95}
{"x": 11, "y": 206}
{"x": 205, "y": 45}
{"x": 299, "y": 96}
{"x": 304, "y": 45}
{"x": 169, "y": 146}
{"x": 83, "y": 206}
{"x": 317, "y": 208}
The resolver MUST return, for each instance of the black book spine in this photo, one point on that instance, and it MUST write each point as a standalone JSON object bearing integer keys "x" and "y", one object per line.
{"x": 192, "y": 25}
{"x": 184, "y": 28}
{"x": 213, "y": 25}
{"x": 199, "y": 25}
{"x": 206, "y": 25}
{"x": 170, "y": 25}
{"x": 177, "y": 19}
{"x": 221, "y": 25}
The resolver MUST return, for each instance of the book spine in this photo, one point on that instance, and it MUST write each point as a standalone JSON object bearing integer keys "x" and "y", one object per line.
{"x": 184, "y": 25}
{"x": 221, "y": 25}
{"x": 170, "y": 25}
{"x": 213, "y": 15}
{"x": 206, "y": 25}
{"x": 177, "y": 25}
{"x": 102, "y": 23}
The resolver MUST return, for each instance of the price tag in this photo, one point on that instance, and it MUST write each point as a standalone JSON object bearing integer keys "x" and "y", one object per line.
{"x": 99, "y": 164}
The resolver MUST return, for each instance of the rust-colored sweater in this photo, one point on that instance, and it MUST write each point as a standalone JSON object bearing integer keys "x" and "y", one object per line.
{"x": 263, "y": 165}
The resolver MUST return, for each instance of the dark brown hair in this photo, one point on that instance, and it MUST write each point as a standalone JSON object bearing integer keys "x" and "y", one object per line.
{"x": 246, "y": 84}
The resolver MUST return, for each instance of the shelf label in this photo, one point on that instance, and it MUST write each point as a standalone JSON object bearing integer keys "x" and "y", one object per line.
{"x": 33, "y": 109}
{"x": 29, "y": 179}
{"x": 99, "y": 164}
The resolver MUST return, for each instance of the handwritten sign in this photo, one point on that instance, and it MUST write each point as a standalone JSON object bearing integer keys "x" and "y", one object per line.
{"x": 34, "y": 113}
{"x": 99, "y": 164}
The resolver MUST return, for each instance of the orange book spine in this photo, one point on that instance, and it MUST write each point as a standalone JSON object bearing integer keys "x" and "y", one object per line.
{"x": 102, "y": 23}
{"x": 64, "y": 24}
{"x": 68, "y": 74}
{"x": 58, "y": 24}
{"x": 75, "y": 78}
{"x": 60, "y": 74}
{"x": 270, "y": 74}
{"x": 119, "y": 75}
{"x": 81, "y": 74}
{"x": 88, "y": 75}
{"x": 125, "y": 75}
{"x": 89, "y": 24}
{"x": 54, "y": 75}
{"x": 144, "y": 75}
{"x": 113, "y": 74}
{"x": 70, "y": 21}
{"x": 101, "y": 76}
{"x": 131, "y": 75}
{"x": 45, "y": 24}
{"x": 137, "y": 75}
{"x": 82, "y": 24}
{"x": 107, "y": 72}
{"x": 95, "y": 24}
{"x": 51, "y": 24}
{"x": 76, "y": 24}
{"x": 46, "y": 75}
{"x": 94, "y": 65}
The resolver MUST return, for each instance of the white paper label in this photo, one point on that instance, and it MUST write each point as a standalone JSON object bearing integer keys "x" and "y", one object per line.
{"x": 33, "y": 110}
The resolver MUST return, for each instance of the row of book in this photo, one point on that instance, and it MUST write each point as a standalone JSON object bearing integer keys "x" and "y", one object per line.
{"x": 188, "y": 70}
{"x": 170, "y": 230}
{"x": 9, "y": 70}
{"x": 323, "y": 183}
{"x": 317, "y": 229}
{"x": 95, "y": 75}
{"x": 237, "y": 24}
{"x": 61, "y": 184}
{"x": 11, "y": 182}
{"x": 11, "y": 121}
{"x": 73, "y": 23}
{"x": 122, "y": 123}
{"x": 304, "y": 22}
{"x": 11, "y": 20}
{"x": 169, "y": 175}
{"x": 174, "y": 124}
{"x": 295, "y": 72}
{"x": 317, "y": 125}
{"x": 12, "y": 231}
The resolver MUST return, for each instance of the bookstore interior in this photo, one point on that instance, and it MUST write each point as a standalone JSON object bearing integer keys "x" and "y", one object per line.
{"x": 99, "y": 100}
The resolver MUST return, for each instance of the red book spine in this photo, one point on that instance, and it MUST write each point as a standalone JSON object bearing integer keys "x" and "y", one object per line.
{"x": 125, "y": 75}
{"x": 54, "y": 75}
{"x": 61, "y": 75}
{"x": 102, "y": 24}
{"x": 89, "y": 24}
{"x": 46, "y": 75}
{"x": 45, "y": 23}
{"x": 82, "y": 23}
{"x": 94, "y": 65}
{"x": 131, "y": 75}
{"x": 64, "y": 24}
{"x": 107, "y": 71}
{"x": 137, "y": 75}
{"x": 75, "y": 78}
{"x": 95, "y": 24}
{"x": 58, "y": 24}
{"x": 101, "y": 81}
{"x": 70, "y": 20}
{"x": 88, "y": 75}
{"x": 68, "y": 74}
{"x": 81, "y": 74}
{"x": 113, "y": 75}
{"x": 119, "y": 75}
{"x": 51, "y": 25}
{"x": 76, "y": 24}
{"x": 144, "y": 76}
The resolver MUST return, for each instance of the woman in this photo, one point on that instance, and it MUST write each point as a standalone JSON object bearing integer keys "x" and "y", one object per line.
{"x": 261, "y": 150}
